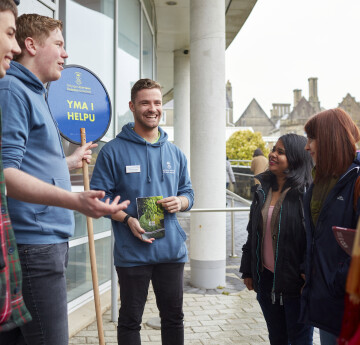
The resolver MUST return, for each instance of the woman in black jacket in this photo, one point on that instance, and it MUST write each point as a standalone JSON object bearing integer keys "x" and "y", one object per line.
{"x": 332, "y": 200}
{"x": 273, "y": 256}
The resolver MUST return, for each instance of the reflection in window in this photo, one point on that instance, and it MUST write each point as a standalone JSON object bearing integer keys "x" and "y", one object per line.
{"x": 76, "y": 176}
{"x": 128, "y": 57}
{"x": 90, "y": 40}
{"x": 106, "y": 7}
{"x": 78, "y": 274}
{"x": 147, "y": 53}
{"x": 100, "y": 225}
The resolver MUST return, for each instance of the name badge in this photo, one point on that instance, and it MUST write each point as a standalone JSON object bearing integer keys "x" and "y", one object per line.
{"x": 132, "y": 169}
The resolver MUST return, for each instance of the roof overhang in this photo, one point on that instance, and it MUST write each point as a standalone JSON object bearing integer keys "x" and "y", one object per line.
{"x": 173, "y": 33}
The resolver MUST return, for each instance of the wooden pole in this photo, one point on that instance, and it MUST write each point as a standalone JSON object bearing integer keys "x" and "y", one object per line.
{"x": 90, "y": 230}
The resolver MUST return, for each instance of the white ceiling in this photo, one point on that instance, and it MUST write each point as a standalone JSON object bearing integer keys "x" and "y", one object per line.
{"x": 173, "y": 32}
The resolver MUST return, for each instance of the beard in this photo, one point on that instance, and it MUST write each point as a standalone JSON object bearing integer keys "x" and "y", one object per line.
{"x": 146, "y": 123}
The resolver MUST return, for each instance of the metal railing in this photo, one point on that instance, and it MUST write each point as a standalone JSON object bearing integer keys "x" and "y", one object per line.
{"x": 231, "y": 209}
{"x": 240, "y": 161}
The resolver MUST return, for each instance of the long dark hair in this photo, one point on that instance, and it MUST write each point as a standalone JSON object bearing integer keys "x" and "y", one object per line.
{"x": 335, "y": 134}
{"x": 298, "y": 174}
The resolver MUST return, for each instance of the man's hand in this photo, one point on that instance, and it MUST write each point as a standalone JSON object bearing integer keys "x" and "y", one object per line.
{"x": 74, "y": 161}
{"x": 137, "y": 230}
{"x": 174, "y": 204}
{"x": 249, "y": 283}
{"x": 25, "y": 187}
{"x": 90, "y": 205}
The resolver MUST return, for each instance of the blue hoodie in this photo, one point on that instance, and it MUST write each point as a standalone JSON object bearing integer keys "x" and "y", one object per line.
{"x": 162, "y": 171}
{"x": 31, "y": 143}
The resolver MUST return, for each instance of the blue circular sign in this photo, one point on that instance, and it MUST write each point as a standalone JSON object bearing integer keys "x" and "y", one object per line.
{"x": 79, "y": 100}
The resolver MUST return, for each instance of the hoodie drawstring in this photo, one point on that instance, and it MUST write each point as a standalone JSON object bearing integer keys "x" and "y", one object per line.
{"x": 147, "y": 162}
{"x": 162, "y": 170}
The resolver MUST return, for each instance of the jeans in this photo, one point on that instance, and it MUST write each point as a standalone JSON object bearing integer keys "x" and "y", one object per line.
{"x": 167, "y": 280}
{"x": 282, "y": 320}
{"x": 44, "y": 290}
{"x": 327, "y": 338}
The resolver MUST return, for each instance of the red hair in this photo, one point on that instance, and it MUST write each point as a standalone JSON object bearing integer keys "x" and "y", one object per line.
{"x": 336, "y": 135}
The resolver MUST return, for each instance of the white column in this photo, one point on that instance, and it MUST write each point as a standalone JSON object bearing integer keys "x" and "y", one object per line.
{"x": 182, "y": 101}
{"x": 207, "y": 106}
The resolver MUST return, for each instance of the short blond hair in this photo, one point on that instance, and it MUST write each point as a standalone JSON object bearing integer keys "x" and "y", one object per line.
{"x": 35, "y": 26}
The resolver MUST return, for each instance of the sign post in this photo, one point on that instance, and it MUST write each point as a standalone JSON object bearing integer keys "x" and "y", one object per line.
{"x": 90, "y": 229}
{"x": 81, "y": 106}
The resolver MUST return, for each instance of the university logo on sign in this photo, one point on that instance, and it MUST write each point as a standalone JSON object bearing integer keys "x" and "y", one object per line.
{"x": 79, "y": 100}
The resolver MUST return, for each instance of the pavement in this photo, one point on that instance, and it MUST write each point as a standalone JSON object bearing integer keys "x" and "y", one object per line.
{"x": 226, "y": 315}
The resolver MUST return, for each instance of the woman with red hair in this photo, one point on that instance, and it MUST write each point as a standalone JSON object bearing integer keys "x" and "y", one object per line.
{"x": 329, "y": 202}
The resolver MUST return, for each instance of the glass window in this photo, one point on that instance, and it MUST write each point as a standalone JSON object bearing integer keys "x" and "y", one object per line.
{"x": 128, "y": 57}
{"x": 78, "y": 274}
{"x": 103, "y": 6}
{"x": 148, "y": 8}
{"x": 99, "y": 225}
{"x": 90, "y": 40}
{"x": 77, "y": 180}
{"x": 147, "y": 52}
{"x": 35, "y": 6}
{"x": 76, "y": 176}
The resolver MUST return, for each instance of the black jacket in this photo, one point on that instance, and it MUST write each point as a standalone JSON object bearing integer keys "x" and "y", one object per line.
{"x": 291, "y": 243}
{"x": 327, "y": 264}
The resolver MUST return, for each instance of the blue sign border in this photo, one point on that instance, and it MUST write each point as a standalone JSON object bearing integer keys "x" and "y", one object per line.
{"x": 108, "y": 98}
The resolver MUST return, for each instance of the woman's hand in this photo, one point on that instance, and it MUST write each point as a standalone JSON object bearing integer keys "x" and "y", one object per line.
{"x": 249, "y": 283}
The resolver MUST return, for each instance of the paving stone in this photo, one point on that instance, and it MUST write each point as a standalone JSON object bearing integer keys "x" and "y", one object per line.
{"x": 214, "y": 328}
{"x": 230, "y": 327}
{"x": 199, "y": 336}
{"x": 213, "y": 322}
{"x": 224, "y": 334}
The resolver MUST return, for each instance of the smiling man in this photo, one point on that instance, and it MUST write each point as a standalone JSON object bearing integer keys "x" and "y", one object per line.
{"x": 37, "y": 173}
{"x": 141, "y": 162}
{"x": 8, "y": 44}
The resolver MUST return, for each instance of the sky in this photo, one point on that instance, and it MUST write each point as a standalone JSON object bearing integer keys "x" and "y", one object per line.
{"x": 285, "y": 42}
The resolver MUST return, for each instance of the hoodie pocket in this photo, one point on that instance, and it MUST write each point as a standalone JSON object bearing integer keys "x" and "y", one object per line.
{"x": 55, "y": 220}
{"x": 172, "y": 247}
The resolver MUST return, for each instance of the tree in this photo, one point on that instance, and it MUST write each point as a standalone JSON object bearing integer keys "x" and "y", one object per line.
{"x": 242, "y": 144}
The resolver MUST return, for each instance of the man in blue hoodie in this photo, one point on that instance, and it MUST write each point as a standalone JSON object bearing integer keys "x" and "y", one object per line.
{"x": 140, "y": 162}
{"x": 37, "y": 172}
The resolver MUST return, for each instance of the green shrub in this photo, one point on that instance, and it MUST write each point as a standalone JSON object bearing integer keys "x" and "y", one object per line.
{"x": 242, "y": 144}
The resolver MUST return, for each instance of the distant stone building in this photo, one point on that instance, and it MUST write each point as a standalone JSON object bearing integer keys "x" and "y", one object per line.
{"x": 303, "y": 109}
{"x": 313, "y": 95}
{"x": 254, "y": 116}
{"x": 295, "y": 121}
{"x": 282, "y": 119}
{"x": 351, "y": 107}
{"x": 278, "y": 111}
